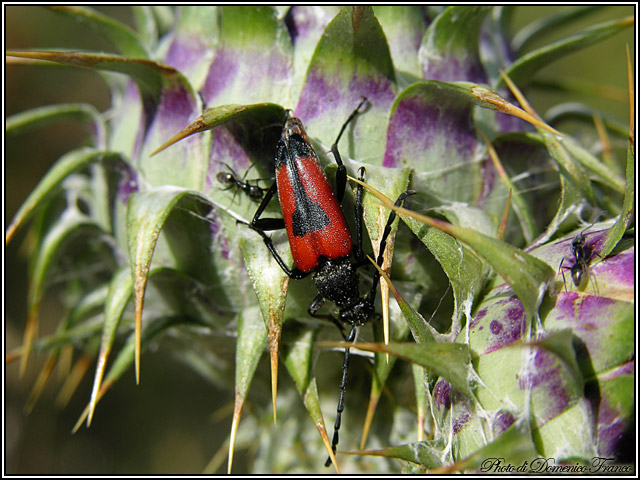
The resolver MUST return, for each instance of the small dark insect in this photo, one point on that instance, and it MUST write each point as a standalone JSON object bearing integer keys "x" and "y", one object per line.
{"x": 582, "y": 254}
{"x": 231, "y": 179}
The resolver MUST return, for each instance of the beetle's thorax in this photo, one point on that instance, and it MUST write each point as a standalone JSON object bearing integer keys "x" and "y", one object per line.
{"x": 337, "y": 281}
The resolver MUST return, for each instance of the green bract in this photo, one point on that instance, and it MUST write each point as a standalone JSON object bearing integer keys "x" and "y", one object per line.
{"x": 146, "y": 250}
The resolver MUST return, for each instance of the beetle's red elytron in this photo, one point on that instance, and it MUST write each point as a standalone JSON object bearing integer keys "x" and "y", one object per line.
{"x": 318, "y": 233}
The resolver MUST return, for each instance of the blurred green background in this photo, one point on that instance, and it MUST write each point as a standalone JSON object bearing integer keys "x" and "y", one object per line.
{"x": 175, "y": 421}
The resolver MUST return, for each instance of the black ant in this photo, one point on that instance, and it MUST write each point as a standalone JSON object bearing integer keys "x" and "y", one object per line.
{"x": 231, "y": 179}
{"x": 582, "y": 254}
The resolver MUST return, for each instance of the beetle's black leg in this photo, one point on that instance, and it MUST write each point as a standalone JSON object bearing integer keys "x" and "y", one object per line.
{"x": 358, "y": 253}
{"x": 341, "y": 174}
{"x": 316, "y": 305}
{"x": 267, "y": 224}
{"x": 260, "y": 225}
{"x": 343, "y": 387}
{"x": 383, "y": 244}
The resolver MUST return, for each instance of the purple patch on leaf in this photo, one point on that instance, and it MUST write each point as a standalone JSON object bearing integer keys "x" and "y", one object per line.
{"x": 131, "y": 97}
{"x": 495, "y": 327}
{"x": 510, "y": 327}
{"x": 222, "y": 73}
{"x": 461, "y": 411}
{"x": 128, "y": 183}
{"x": 627, "y": 368}
{"x": 323, "y": 96}
{"x": 309, "y": 20}
{"x": 501, "y": 422}
{"x": 177, "y": 106}
{"x": 611, "y": 427}
{"x": 489, "y": 176}
{"x": 442, "y": 395}
{"x": 224, "y": 247}
{"x": 245, "y": 71}
{"x": 618, "y": 270}
{"x": 420, "y": 126}
{"x": 451, "y": 69}
{"x": 546, "y": 375}
{"x": 215, "y": 229}
{"x": 509, "y": 123}
{"x": 584, "y": 314}
{"x": 478, "y": 318}
{"x": 185, "y": 55}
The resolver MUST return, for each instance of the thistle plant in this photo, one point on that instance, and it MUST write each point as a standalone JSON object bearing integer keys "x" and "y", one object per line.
{"x": 486, "y": 348}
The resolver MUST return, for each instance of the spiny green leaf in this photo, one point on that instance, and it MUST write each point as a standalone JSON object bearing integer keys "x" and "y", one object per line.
{"x": 427, "y": 454}
{"x": 245, "y": 54}
{"x": 270, "y": 284}
{"x": 450, "y": 47}
{"x": 538, "y": 28}
{"x": 346, "y": 66}
{"x": 526, "y": 275}
{"x": 450, "y": 361}
{"x": 252, "y": 339}
{"x": 251, "y": 116}
{"x": 568, "y": 166}
{"x": 146, "y": 26}
{"x": 514, "y": 447}
{"x": 403, "y": 26}
{"x": 625, "y": 217}
{"x": 146, "y": 214}
{"x": 120, "y": 290}
{"x": 126, "y": 356}
{"x": 297, "y": 351}
{"x": 68, "y": 164}
{"x": 120, "y": 35}
{"x": 194, "y": 42}
{"x": 71, "y": 224}
{"x": 597, "y": 168}
{"x": 25, "y": 121}
{"x": 524, "y": 69}
{"x": 150, "y": 76}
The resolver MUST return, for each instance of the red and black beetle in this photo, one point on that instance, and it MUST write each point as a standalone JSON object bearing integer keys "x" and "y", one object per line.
{"x": 319, "y": 237}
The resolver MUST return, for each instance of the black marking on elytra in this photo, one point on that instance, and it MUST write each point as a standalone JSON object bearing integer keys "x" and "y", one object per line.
{"x": 308, "y": 217}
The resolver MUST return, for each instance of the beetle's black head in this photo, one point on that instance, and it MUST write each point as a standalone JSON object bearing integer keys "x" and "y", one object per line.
{"x": 293, "y": 126}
